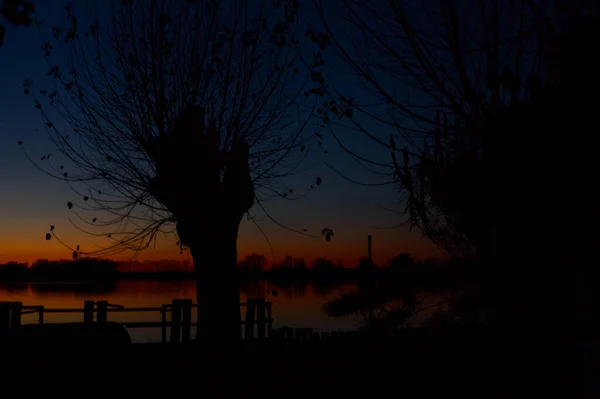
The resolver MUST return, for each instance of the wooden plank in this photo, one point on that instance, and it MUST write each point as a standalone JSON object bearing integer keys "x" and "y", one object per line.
{"x": 88, "y": 311}
{"x": 269, "y": 318}
{"x": 155, "y": 309}
{"x": 163, "y": 317}
{"x": 289, "y": 334}
{"x": 302, "y": 334}
{"x": 102, "y": 315}
{"x": 15, "y": 314}
{"x": 149, "y": 324}
{"x": 175, "y": 322}
{"x": 79, "y": 310}
{"x": 144, "y": 324}
{"x": 261, "y": 322}
{"x": 67, "y": 310}
{"x": 249, "y": 321}
{"x": 4, "y": 316}
{"x": 186, "y": 319}
{"x": 282, "y": 333}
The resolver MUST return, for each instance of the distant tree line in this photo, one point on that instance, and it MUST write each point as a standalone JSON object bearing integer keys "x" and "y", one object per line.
{"x": 253, "y": 266}
{"x": 60, "y": 270}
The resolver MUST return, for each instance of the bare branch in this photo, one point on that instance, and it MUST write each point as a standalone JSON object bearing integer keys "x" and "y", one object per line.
{"x": 128, "y": 76}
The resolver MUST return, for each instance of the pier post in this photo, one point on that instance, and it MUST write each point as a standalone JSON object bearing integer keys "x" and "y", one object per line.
{"x": 269, "y": 319}
{"x": 163, "y": 318}
{"x": 4, "y": 317}
{"x": 15, "y": 314}
{"x": 186, "y": 319}
{"x": 88, "y": 311}
{"x": 249, "y": 322}
{"x": 176, "y": 321}
{"x": 261, "y": 322}
{"x": 102, "y": 311}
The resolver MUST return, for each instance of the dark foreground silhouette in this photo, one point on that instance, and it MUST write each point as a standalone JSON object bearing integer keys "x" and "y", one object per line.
{"x": 53, "y": 335}
{"x": 471, "y": 361}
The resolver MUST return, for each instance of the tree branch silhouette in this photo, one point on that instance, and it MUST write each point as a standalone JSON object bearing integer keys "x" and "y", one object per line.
{"x": 430, "y": 74}
{"x": 471, "y": 91}
{"x": 177, "y": 117}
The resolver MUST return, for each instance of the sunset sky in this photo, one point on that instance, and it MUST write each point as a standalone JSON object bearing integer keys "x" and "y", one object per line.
{"x": 31, "y": 201}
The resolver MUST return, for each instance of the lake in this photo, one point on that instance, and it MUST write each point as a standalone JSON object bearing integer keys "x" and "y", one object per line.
{"x": 294, "y": 305}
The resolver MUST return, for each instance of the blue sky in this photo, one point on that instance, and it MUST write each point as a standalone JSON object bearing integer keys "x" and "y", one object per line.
{"x": 30, "y": 201}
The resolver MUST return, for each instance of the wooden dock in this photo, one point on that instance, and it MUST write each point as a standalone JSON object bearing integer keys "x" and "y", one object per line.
{"x": 257, "y": 323}
{"x": 258, "y": 317}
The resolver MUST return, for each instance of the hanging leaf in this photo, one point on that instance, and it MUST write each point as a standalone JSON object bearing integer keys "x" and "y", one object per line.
{"x": 328, "y": 233}
{"x": 48, "y": 236}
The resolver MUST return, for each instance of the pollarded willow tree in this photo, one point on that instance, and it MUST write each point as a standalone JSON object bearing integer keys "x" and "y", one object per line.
{"x": 179, "y": 113}
{"x": 447, "y": 82}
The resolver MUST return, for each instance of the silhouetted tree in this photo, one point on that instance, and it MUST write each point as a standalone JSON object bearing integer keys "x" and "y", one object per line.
{"x": 473, "y": 91}
{"x": 365, "y": 265}
{"x": 438, "y": 69}
{"x": 17, "y": 12}
{"x": 14, "y": 271}
{"x": 403, "y": 262}
{"x": 255, "y": 262}
{"x": 323, "y": 265}
{"x": 181, "y": 113}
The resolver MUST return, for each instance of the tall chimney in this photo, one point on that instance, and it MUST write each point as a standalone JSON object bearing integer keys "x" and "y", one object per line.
{"x": 370, "y": 240}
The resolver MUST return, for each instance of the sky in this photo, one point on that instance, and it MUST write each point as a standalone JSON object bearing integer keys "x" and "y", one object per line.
{"x": 31, "y": 201}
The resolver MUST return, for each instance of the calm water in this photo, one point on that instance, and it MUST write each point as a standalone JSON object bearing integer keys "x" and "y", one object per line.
{"x": 294, "y": 306}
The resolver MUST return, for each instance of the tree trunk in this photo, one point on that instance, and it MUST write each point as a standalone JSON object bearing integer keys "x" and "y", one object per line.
{"x": 217, "y": 284}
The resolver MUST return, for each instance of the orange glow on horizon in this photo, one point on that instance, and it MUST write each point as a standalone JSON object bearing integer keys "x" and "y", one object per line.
{"x": 349, "y": 259}
{"x": 21, "y": 245}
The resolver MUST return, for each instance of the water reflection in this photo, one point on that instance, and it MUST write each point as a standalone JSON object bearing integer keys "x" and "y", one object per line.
{"x": 294, "y": 305}
{"x": 77, "y": 288}
{"x": 14, "y": 288}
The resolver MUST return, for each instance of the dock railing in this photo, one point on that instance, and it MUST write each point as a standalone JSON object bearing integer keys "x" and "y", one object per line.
{"x": 258, "y": 314}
